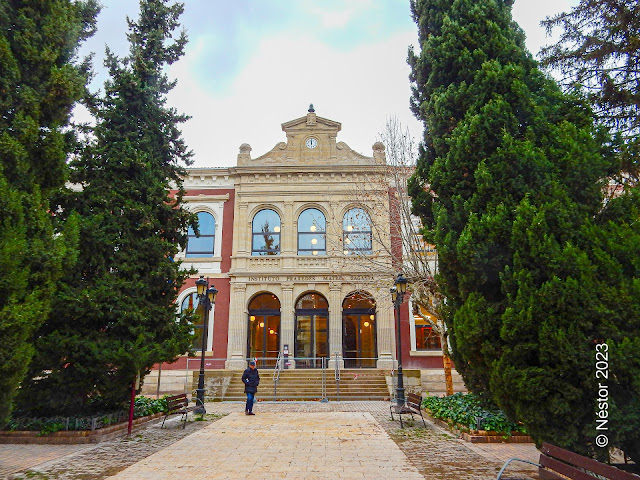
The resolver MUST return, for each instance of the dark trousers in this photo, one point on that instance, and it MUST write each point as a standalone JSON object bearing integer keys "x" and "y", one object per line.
{"x": 250, "y": 398}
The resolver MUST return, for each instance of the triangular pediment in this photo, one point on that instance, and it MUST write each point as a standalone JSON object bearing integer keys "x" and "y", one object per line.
{"x": 311, "y": 140}
{"x": 311, "y": 122}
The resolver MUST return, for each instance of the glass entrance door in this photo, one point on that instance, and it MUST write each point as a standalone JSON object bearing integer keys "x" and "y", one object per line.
{"x": 312, "y": 338}
{"x": 359, "y": 332}
{"x": 312, "y": 330}
{"x": 264, "y": 330}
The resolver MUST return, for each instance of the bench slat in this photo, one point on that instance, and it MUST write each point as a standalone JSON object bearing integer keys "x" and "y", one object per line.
{"x": 177, "y": 403}
{"x": 567, "y": 470}
{"x": 590, "y": 464}
{"x": 547, "y": 475}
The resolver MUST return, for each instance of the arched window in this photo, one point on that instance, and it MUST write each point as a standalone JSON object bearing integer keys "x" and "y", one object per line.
{"x": 191, "y": 304}
{"x": 356, "y": 235}
{"x": 312, "y": 227}
{"x": 202, "y": 246}
{"x": 266, "y": 233}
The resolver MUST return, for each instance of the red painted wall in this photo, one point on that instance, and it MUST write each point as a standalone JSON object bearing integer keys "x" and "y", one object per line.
{"x": 222, "y": 284}
{"x": 405, "y": 325}
{"x": 227, "y": 222}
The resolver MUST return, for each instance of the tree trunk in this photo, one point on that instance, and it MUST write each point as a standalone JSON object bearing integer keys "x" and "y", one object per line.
{"x": 446, "y": 360}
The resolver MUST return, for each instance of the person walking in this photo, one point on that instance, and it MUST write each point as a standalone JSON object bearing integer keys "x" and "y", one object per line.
{"x": 251, "y": 380}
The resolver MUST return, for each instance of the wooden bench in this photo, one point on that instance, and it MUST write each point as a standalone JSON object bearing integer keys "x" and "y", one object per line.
{"x": 411, "y": 406}
{"x": 179, "y": 405}
{"x": 559, "y": 464}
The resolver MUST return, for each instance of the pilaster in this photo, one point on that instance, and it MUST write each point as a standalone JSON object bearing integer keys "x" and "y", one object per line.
{"x": 385, "y": 332}
{"x": 335, "y": 323}
{"x": 237, "y": 343}
{"x": 243, "y": 233}
{"x": 287, "y": 321}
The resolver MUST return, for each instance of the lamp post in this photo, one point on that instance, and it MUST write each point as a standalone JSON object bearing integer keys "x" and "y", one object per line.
{"x": 206, "y": 298}
{"x": 397, "y": 296}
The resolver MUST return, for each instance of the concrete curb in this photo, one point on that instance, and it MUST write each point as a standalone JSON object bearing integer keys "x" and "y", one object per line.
{"x": 75, "y": 436}
{"x": 480, "y": 436}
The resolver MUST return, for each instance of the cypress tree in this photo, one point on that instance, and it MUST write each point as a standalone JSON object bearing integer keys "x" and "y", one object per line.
{"x": 509, "y": 186}
{"x": 40, "y": 81}
{"x": 116, "y": 315}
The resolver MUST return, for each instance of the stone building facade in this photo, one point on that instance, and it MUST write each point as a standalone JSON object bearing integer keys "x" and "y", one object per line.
{"x": 288, "y": 245}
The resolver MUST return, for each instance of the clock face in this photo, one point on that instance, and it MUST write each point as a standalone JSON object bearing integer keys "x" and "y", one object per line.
{"x": 312, "y": 143}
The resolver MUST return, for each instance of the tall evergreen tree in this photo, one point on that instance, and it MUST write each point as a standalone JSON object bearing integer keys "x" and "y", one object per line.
{"x": 40, "y": 81}
{"x": 509, "y": 187}
{"x": 598, "y": 51}
{"x": 116, "y": 316}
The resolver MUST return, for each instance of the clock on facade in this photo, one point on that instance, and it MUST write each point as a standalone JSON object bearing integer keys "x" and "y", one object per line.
{"x": 311, "y": 143}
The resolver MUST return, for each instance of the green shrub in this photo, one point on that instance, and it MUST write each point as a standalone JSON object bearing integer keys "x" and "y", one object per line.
{"x": 144, "y": 406}
{"x": 467, "y": 412}
{"x": 51, "y": 427}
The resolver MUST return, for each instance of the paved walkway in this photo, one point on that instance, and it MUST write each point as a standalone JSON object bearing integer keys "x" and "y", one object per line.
{"x": 14, "y": 458}
{"x": 312, "y": 446}
{"x": 283, "y": 440}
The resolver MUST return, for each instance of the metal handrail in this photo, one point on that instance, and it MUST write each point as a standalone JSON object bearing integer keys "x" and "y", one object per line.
{"x": 276, "y": 370}
{"x": 324, "y": 380}
{"x": 336, "y": 375}
{"x": 276, "y": 375}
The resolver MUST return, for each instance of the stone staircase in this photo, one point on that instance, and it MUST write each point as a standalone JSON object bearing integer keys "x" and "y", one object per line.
{"x": 306, "y": 384}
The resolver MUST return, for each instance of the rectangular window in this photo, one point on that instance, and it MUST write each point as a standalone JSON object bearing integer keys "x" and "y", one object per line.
{"x": 359, "y": 242}
{"x": 200, "y": 246}
{"x": 266, "y": 244}
{"x": 311, "y": 244}
{"x": 426, "y": 337}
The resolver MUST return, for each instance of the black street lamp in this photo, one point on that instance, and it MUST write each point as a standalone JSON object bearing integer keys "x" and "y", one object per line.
{"x": 206, "y": 298}
{"x": 397, "y": 295}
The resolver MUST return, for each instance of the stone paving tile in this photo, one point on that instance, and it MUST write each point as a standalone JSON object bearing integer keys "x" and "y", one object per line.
{"x": 14, "y": 458}
{"x": 89, "y": 462}
{"x": 349, "y": 445}
{"x": 434, "y": 452}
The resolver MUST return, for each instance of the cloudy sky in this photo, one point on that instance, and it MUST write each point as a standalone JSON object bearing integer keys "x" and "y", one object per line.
{"x": 252, "y": 65}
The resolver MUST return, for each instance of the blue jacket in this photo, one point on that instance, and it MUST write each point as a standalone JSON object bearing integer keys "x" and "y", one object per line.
{"x": 251, "y": 380}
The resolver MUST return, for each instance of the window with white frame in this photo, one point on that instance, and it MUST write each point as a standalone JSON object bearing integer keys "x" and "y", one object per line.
{"x": 202, "y": 245}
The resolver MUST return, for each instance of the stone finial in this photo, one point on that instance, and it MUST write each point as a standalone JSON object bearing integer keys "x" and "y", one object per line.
{"x": 311, "y": 109}
{"x": 245, "y": 154}
{"x": 378, "y": 147}
{"x": 379, "y": 155}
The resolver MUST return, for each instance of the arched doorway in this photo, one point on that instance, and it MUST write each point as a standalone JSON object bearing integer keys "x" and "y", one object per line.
{"x": 264, "y": 329}
{"x": 312, "y": 330}
{"x": 359, "y": 347}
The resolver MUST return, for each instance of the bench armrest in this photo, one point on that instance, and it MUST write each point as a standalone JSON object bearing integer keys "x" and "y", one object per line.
{"x": 515, "y": 460}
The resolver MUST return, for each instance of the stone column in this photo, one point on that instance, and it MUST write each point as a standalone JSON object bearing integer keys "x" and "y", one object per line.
{"x": 335, "y": 323}
{"x": 237, "y": 343}
{"x": 287, "y": 321}
{"x": 385, "y": 332}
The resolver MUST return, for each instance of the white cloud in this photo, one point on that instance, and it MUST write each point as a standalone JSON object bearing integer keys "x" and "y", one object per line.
{"x": 359, "y": 88}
